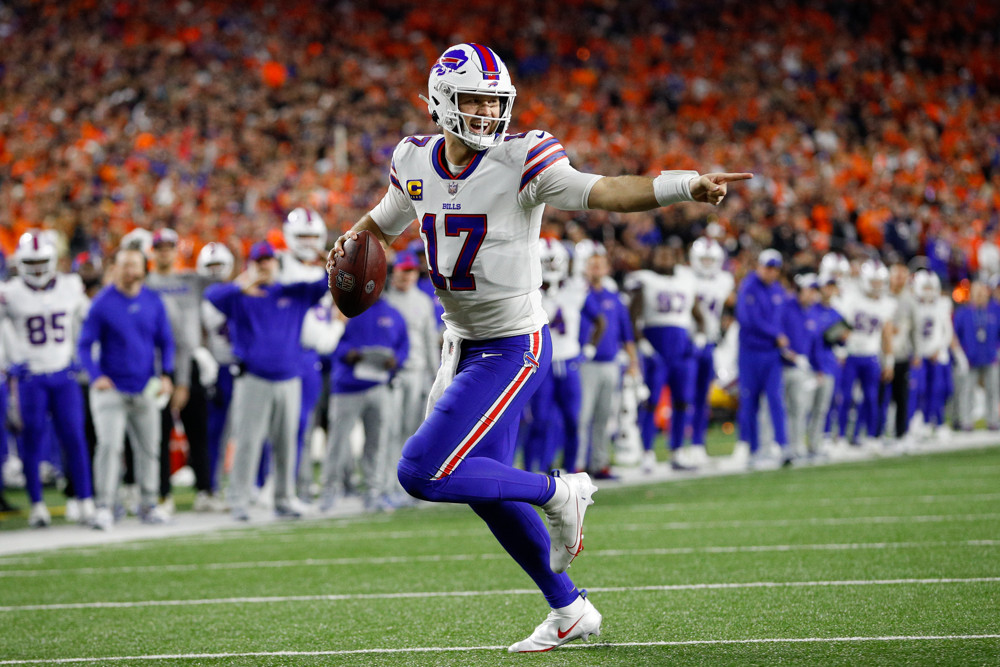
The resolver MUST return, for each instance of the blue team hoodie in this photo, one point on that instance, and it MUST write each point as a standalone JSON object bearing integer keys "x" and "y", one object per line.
{"x": 758, "y": 310}
{"x": 130, "y": 330}
{"x": 379, "y": 326}
{"x": 266, "y": 330}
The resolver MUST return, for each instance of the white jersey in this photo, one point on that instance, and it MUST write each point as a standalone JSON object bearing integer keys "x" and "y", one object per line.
{"x": 321, "y": 330}
{"x": 712, "y": 292}
{"x": 563, "y": 305}
{"x": 933, "y": 330}
{"x": 46, "y": 321}
{"x": 480, "y": 225}
{"x": 667, "y": 301}
{"x": 867, "y": 318}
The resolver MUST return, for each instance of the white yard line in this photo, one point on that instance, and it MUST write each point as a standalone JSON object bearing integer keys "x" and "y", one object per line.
{"x": 447, "y": 558}
{"x": 456, "y": 649}
{"x": 347, "y": 597}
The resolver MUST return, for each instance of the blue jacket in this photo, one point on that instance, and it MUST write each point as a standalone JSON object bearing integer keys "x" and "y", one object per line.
{"x": 266, "y": 330}
{"x": 823, "y": 359}
{"x": 130, "y": 330}
{"x": 978, "y": 330}
{"x": 799, "y": 327}
{"x": 379, "y": 326}
{"x": 758, "y": 310}
{"x": 618, "y": 326}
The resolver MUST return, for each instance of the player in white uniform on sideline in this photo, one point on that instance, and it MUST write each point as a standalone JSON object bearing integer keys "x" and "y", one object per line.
{"x": 713, "y": 286}
{"x": 555, "y": 406}
{"x": 869, "y": 348}
{"x": 215, "y": 263}
{"x": 305, "y": 235}
{"x": 933, "y": 335}
{"x": 478, "y": 195}
{"x": 664, "y": 300}
{"x": 47, "y": 309}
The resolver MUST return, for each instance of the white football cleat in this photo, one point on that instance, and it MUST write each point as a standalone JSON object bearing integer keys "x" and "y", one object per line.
{"x": 579, "y": 620}
{"x": 566, "y": 519}
{"x": 39, "y": 516}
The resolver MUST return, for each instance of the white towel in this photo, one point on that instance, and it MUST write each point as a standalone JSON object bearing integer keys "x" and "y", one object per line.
{"x": 451, "y": 351}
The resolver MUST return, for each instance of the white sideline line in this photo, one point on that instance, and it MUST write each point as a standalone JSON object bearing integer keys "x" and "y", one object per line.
{"x": 514, "y": 591}
{"x": 926, "y": 499}
{"x": 455, "y": 649}
{"x": 447, "y": 558}
{"x": 811, "y": 521}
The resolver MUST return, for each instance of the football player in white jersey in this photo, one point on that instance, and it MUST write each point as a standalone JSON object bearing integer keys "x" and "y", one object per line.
{"x": 555, "y": 407}
{"x": 665, "y": 311}
{"x": 215, "y": 263}
{"x": 46, "y": 309}
{"x": 305, "y": 235}
{"x": 477, "y": 193}
{"x": 933, "y": 334}
{"x": 869, "y": 361}
{"x": 713, "y": 286}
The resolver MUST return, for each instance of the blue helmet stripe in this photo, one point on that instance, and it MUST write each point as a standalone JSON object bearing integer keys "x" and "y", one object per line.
{"x": 489, "y": 60}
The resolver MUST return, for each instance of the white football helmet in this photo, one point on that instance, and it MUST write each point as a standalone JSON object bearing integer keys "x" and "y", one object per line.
{"x": 305, "y": 234}
{"x": 36, "y": 257}
{"x": 836, "y": 265}
{"x": 138, "y": 239}
{"x": 472, "y": 69}
{"x": 707, "y": 257}
{"x": 926, "y": 285}
{"x": 874, "y": 278}
{"x": 555, "y": 261}
{"x": 215, "y": 261}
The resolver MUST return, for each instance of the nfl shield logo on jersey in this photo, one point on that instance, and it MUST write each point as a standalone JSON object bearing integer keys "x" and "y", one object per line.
{"x": 453, "y": 188}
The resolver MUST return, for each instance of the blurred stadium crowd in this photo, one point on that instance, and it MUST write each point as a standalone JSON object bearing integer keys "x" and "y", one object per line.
{"x": 864, "y": 122}
{"x": 872, "y": 130}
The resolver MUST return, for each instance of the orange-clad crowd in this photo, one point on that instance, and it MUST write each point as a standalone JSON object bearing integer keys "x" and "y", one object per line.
{"x": 868, "y": 125}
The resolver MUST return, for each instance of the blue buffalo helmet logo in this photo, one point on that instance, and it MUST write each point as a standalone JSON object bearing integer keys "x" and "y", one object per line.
{"x": 453, "y": 60}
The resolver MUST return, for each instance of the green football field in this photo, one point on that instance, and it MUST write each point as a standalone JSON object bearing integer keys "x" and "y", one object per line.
{"x": 893, "y": 561}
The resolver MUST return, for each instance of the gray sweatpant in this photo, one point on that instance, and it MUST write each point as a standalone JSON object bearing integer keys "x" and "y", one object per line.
{"x": 599, "y": 381}
{"x": 116, "y": 413}
{"x": 372, "y": 407}
{"x": 799, "y": 386}
{"x": 821, "y": 400}
{"x": 989, "y": 378}
{"x": 409, "y": 400}
{"x": 264, "y": 410}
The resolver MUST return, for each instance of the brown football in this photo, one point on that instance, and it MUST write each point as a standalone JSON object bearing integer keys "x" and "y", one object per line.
{"x": 356, "y": 279}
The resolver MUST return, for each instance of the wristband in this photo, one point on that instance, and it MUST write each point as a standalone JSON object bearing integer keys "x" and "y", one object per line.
{"x": 672, "y": 187}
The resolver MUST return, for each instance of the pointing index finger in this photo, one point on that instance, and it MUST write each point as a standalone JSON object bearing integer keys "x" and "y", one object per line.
{"x": 729, "y": 178}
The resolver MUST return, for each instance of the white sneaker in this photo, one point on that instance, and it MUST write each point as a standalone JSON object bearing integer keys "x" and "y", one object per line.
{"x": 579, "y": 620}
{"x": 72, "y": 511}
{"x": 697, "y": 456}
{"x": 104, "y": 519}
{"x": 648, "y": 461}
{"x": 566, "y": 519}
{"x": 153, "y": 514}
{"x": 206, "y": 502}
{"x": 39, "y": 516}
{"x": 167, "y": 506}
{"x": 87, "y": 512}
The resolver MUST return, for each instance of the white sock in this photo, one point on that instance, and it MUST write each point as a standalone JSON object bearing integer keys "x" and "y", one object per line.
{"x": 574, "y": 608}
{"x": 560, "y": 496}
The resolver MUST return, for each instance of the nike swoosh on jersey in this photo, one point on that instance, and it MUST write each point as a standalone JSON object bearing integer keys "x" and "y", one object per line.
{"x": 562, "y": 634}
{"x": 491, "y": 354}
